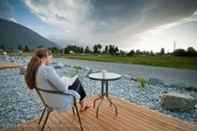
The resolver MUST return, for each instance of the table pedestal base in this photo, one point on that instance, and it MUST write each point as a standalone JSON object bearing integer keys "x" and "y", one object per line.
{"x": 104, "y": 94}
{"x": 102, "y": 98}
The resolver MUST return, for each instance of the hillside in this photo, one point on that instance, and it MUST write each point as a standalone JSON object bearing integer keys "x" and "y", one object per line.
{"x": 13, "y": 35}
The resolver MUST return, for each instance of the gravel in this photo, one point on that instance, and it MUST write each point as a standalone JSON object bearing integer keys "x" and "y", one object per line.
{"x": 18, "y": 104}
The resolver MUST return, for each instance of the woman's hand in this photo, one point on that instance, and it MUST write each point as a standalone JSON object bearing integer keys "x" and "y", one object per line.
{"x": 75, "y": 77}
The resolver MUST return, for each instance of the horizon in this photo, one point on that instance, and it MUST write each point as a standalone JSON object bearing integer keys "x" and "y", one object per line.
{"x": 129, "y": 24}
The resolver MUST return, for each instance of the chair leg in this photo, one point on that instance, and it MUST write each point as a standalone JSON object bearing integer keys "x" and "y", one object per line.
{"x": 79, "y": 118}
{"x": 45, "y": 121}
{"x": 42, "y": 115}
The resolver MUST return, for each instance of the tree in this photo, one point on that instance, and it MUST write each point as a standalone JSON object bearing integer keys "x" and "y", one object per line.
{"x": 162, "y": 52}
{"x": 66, "y": 51}
{"x": 151, "y": 53}
{"x": 81, "y": 50}
{"x": 123, "y": 53}
{"x": 97, "y": 48}
{"x": 111, "y": 50}
{"x": 2, "y": 47}
{"x": 73, "y": 48}
{"x": 106, "y": 51}
{"x": 55, "y": 50}
{"x": 116, "y": 50}
{"x": 131, "y": 53}
{"x": 138, "y": 52}
{"x": 26, "y": 49}
{"x": 87, "y": 50}
{"x": 20, "y": 47}
{"x": 180, "y": 52}
{"x": 191, "y": 51}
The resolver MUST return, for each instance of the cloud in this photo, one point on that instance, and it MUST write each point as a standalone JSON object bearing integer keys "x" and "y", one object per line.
{"x": 113, "y": 20}
{"x": 66, "y": 15}
{"x": 191, "y": 18}
{"x": 182, "y": 31}
{"x": 6, "y": 9}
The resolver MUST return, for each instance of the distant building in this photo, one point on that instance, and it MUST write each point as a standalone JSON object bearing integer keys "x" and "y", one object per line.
{"x": 71, "y": 52}
{"x": 5, "y": 53}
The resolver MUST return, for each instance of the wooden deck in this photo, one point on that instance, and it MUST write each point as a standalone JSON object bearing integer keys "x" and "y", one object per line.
{"x": 9, "y": 65}
{"x": 131, "y": 117}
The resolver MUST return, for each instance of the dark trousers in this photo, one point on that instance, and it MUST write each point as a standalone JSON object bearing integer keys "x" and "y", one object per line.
{"x": 77, "y": 86}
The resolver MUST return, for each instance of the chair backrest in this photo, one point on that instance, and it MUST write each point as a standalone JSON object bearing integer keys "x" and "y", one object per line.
{"x": 40, "y": 96}
{"x": 51, "y": 93}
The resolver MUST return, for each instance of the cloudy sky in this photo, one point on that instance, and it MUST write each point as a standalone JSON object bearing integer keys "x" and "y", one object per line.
{"x": 130, "y": 24}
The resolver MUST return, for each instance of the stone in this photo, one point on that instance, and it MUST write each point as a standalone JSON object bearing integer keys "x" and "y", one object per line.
{"x": 4, "y": 58}
{"x": 23, "y": 69}
{"x": 195, "y": 106}
{"x": 128, "y": 77}
{"x": 154, "y": 81}
{"x": 86, "y": 68}
{"x": 58, "y": 65}
{"x": 176, "y": 101}
{"x": 191, "y": 88}
{"x": 12, "y": 59}
{"x": 67, "y": 65}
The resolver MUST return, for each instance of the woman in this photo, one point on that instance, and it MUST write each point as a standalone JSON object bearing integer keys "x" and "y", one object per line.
{"x": 39, "y": 74}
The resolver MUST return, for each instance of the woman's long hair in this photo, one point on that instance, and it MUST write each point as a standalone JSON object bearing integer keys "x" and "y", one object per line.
{"x": 33, "y": 65}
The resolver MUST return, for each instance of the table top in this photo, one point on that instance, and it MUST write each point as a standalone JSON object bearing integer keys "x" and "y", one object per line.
{"x": 108, "y": 76}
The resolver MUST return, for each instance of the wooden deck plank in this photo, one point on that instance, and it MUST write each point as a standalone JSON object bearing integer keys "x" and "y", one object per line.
{"x": 131, "y": 117}
{"x": 159, "y": 118}
{"x": 101, "y": 125}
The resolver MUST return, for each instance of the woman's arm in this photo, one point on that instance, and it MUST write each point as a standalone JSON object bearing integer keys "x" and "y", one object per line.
{"x": 59, "y": 83}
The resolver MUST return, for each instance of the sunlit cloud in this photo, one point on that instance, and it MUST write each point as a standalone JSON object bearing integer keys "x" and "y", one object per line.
{"x": 158, "y": 37}
{"x": 129, "y": 23}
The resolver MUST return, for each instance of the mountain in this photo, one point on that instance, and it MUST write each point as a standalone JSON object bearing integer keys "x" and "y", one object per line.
{"x": 13, "y": 35}
{"x": 62, "y": 43}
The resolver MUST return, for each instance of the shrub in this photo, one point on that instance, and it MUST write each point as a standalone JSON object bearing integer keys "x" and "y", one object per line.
{"x": 142, "y": 82}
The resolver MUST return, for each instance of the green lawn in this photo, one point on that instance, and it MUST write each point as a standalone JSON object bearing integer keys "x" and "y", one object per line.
{"x": 164, "y": 61}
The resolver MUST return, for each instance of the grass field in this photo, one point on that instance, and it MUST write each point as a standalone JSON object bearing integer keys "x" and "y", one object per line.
{"x": 164, "y": 61}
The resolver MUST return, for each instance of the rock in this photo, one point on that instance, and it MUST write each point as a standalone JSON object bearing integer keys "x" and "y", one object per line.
{"x": 195, "y": 106}
{"x": 67, "y": 65}
{"x": 23, "y": 69}
{"x": 128, "y": 77}
{"x": 176, "y": 101}
{"x": 154, "y": 81}
{"x": 191, "y": 88}
{"x": 12, "y": 59}
{"x": 4, "y": 58}
{"x": 133, "y": 79}
{"x": 86, "y": 68}
{"x": 58, "y": 65}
